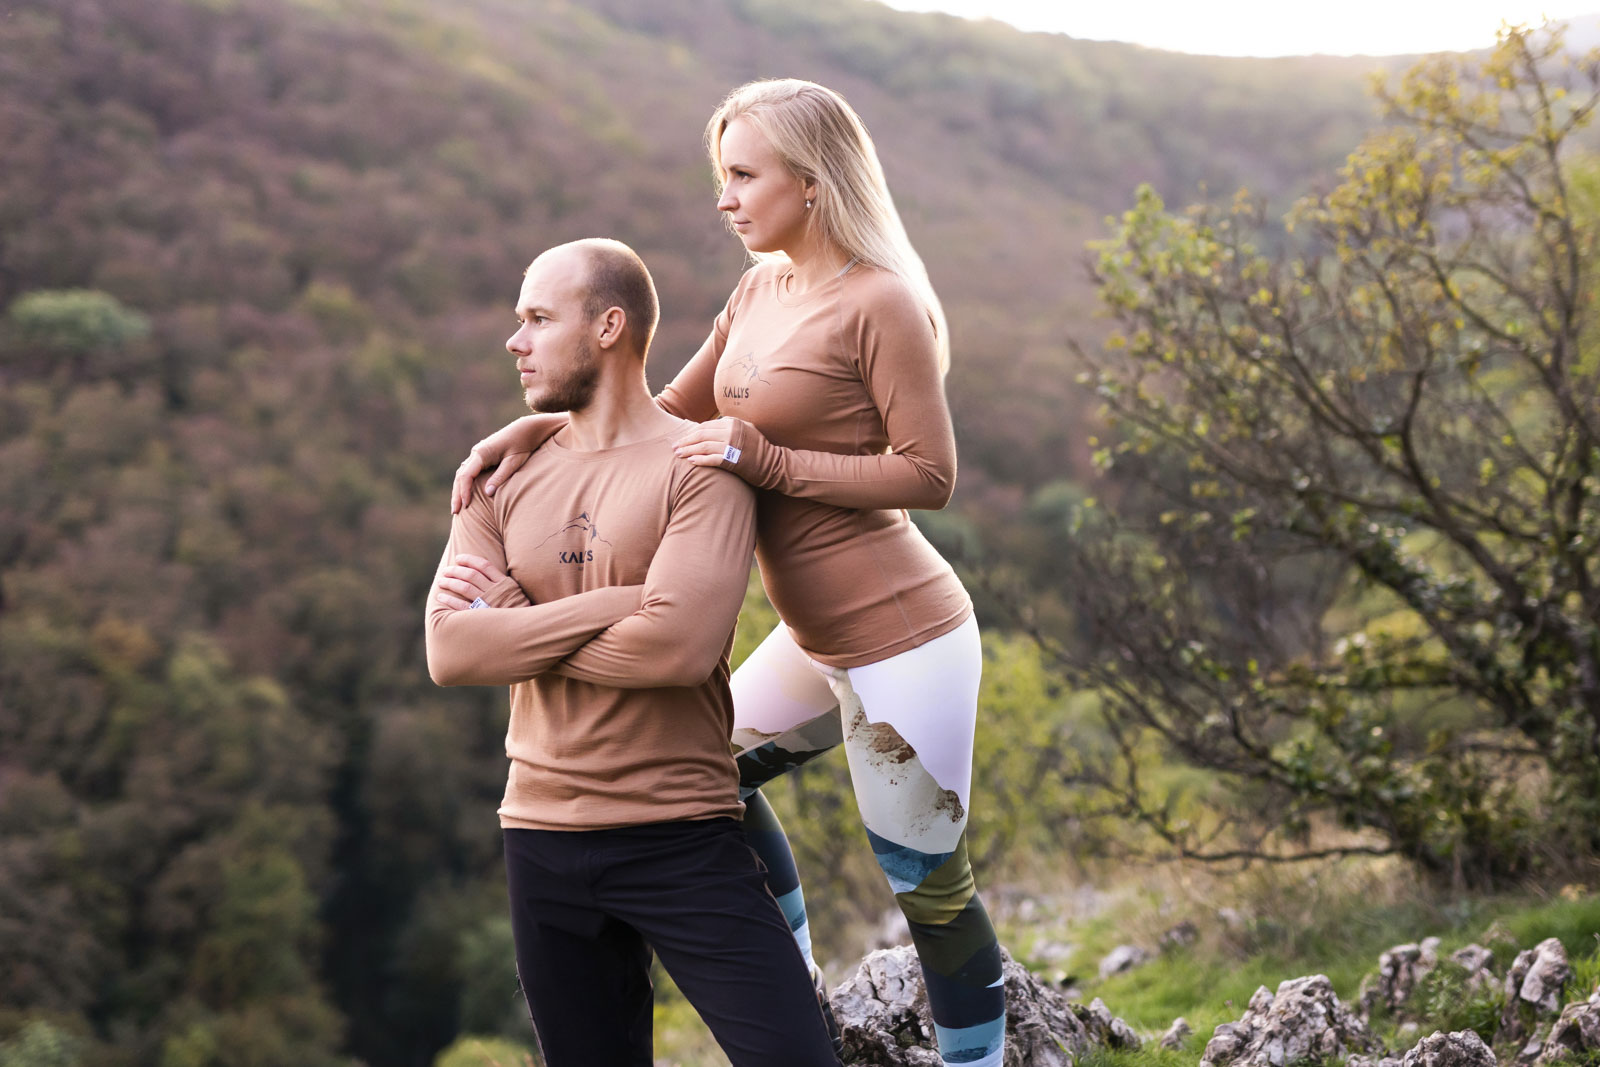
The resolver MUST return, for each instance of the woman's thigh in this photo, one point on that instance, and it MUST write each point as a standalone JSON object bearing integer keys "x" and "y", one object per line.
{"x": 779, "y": 695}
{"x": 908, "y": 726}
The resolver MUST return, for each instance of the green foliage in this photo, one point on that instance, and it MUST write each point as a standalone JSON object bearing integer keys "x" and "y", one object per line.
{"x": 257, "y": 264}
{"x": 75, "y": 320}
{"x": 1366, "y": 476}
{"x": 43, "y": 1045}
{"x": 1449, "y": 1001}
{"x": 470, "y": 1051}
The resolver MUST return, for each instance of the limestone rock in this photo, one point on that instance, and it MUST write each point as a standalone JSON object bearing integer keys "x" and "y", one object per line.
{"x": 883, "y": 1014}
{"x": 1177, "y": 1033}
{"x": 1576, "y": 1033}
{"x": 1122, "y": 958}
{"x": 1399, "y": 971}
{"x": 1304, "y": 1020}
{"x": 1104, "y": 1028}
{"x": 1184, "y": 933}
{"x": 1536, "y": 979}
{"x": 1473, "y": 958}
{"x": 1464, "y": 1048}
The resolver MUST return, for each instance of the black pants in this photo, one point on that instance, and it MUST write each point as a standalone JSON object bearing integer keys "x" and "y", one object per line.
{"x": 587, "y": 907}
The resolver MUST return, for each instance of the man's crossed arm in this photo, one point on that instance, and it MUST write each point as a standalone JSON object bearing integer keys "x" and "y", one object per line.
{"x": 670, "y": 631}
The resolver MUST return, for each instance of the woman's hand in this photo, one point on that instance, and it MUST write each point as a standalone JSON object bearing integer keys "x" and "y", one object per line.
{"x": 484, "y": 454}
{"x": 463, "y": 583}
{"x": 711, "y": 444}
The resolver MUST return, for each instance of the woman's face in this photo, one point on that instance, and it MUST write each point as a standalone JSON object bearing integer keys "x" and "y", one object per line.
{"x": 766, "y": 203}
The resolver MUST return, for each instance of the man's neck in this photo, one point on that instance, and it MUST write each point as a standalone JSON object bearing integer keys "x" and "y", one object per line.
{"x": 621, "y": 413}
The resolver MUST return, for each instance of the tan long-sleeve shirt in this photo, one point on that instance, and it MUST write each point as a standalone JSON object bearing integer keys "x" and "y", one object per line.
{"x": 844, "y": 386}
{"x": 626, "y": 568}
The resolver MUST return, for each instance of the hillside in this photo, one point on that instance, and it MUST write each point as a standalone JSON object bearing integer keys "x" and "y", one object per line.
{"x": 236, "y": 814}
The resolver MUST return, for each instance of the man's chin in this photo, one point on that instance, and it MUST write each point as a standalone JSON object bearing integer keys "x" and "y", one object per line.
{"x": 542, "y": 404}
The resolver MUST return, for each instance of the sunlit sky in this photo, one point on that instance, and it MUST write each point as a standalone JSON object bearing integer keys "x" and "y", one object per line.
{"x": 1271, "y": 27}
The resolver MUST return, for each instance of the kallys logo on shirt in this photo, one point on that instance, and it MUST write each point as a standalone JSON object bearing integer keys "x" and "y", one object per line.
{"x": 744, "y": 371}
{"x": 587, "y": 533}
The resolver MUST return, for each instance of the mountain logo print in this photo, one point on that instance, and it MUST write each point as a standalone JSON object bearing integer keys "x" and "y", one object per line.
{"x": 588, "y": 533}
{"x": 747, "y": 370}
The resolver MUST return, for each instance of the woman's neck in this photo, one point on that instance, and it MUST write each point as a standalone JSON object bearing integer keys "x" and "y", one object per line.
{"x": 814, "y": 264}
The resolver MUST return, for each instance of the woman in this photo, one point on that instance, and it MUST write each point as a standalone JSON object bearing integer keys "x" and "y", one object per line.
{"x": 822, "y": 386}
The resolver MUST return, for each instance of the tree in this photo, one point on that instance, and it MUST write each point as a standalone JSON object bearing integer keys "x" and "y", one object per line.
{"x": 1352, "y": 570}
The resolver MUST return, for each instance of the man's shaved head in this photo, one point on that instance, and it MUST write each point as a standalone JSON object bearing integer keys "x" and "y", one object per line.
{"x": 617, "y": 278}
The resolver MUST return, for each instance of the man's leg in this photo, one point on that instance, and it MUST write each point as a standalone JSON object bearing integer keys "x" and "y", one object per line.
{"x": 585, "y": 974}
{"x": 697, "y": 894}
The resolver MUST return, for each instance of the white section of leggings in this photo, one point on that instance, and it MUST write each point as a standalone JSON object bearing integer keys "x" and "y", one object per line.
{"x": 928, "y": 694}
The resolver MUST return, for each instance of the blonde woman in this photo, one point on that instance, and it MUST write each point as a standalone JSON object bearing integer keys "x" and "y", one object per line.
{"x": 822, "y": 386}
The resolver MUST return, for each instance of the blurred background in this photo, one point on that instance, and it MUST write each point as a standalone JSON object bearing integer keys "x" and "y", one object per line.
{"x": 257, "y": 264}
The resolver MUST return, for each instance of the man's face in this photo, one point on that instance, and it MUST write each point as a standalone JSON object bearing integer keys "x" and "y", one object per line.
{"x": 554, "y": 343}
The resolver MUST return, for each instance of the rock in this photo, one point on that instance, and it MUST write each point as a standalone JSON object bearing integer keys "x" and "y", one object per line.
{"x": 1399, "y": 971}
{"x": 1122, "y": 958}
{"x": 1576, "y": 1033}
{"x": 1535, "y": 980}
{"x": 883, "y": 1014}
{"x": 1052, "y": 953}
{"x": 1473, "y": 958}
{"x": 1464, "y": 1048}
{"x": 1181, "y": 935}
{"x": 1102, "y": 1027}
{"x": 1304, "y": 1020}
{"x": 1359, "y": 1060}
{"x": 1234, "y": 919}
{"x": 1177, "y": 1033}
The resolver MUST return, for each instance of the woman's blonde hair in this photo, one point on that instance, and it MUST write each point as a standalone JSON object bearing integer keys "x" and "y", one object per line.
{"x": 821, "y": 139}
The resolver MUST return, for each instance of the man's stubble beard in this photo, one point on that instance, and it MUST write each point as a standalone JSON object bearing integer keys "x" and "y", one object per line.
{"x": 572, "y": 393}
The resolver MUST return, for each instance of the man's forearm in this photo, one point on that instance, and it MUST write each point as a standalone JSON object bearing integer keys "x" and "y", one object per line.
{"x": 504, "y": 646}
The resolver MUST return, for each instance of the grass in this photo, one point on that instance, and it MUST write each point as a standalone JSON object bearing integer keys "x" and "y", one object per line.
{"x": 1334, "y": 919}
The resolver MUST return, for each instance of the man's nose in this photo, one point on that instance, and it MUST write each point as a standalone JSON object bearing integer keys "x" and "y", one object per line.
{"x": 517, "y": 344}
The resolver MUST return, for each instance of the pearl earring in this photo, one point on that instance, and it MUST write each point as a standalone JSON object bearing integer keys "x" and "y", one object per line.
{"x": 808, "y": 205}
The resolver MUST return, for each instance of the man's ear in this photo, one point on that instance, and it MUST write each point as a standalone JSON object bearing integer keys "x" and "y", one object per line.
{"x": 612, "y": 324}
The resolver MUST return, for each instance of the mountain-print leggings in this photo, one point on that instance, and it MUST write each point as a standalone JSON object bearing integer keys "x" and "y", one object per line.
{"x": 906, "y": 723}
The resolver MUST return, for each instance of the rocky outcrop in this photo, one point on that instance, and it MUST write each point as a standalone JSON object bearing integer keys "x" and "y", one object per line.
{"x": 1104, "y": 1028}
{"x": 1464, "y": 1048}
{"x": 1399, "y": 971}
{"x": 1576, "y": 1034}
{"x": 1122, "y": 958}
{"x": 1533, "y": 987}
{"x": 1177, "y": 1033}
{"x": 882, "y": 1011}
{"x": 1303, "y": 1020}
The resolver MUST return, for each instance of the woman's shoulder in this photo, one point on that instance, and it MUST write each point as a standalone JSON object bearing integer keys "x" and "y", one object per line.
{"x": 876, "y": 294}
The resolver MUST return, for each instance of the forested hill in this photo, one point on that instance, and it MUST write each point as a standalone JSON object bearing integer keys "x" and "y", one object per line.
{"x": 257, "y": 259}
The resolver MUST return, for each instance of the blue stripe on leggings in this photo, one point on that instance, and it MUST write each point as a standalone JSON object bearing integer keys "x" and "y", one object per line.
{"x": 905, "y": 867}
{"x": 977, "y": 1045}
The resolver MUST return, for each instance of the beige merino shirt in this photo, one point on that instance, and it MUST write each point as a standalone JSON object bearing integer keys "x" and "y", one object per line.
{"x": 625, "y": 571}
{"x": 844, "y": 386}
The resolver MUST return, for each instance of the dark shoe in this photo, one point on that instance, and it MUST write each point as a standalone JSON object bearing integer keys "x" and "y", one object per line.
{"x": 827, "y": 1012}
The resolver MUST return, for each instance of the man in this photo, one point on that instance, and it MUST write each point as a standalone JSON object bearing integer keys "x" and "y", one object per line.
{"x": 602, "y": 583}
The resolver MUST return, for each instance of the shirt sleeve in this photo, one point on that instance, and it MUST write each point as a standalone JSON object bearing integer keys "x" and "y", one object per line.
{"x": 513, "y": 640}
{"x": 692, "y": 592}
{"x": 898, "y": 358}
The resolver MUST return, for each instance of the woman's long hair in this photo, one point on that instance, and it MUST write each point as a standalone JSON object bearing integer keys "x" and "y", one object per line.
{"x": 821, "y": 139}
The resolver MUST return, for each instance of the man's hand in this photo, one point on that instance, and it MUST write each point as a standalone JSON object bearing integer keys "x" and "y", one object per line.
{"x": 465, "y": 581}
